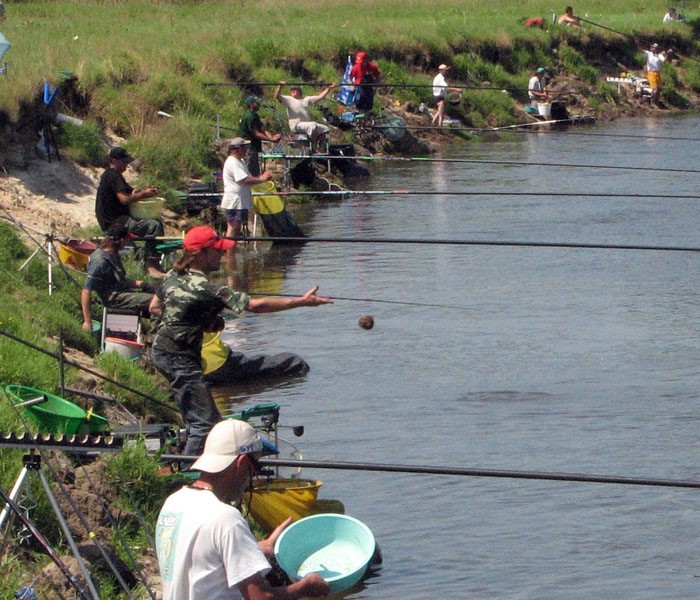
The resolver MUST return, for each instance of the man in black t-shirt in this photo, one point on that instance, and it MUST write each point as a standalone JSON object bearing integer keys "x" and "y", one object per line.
{"x": 114, "y": 195}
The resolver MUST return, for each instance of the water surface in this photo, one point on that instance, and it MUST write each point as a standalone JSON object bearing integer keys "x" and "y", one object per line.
{"x": 544, "y": 359}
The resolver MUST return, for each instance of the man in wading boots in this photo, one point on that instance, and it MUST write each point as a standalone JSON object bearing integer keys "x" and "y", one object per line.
{"x": 107, "y": 277}
{"x": 114, "y": 195}
{"x": 189, "y": 306}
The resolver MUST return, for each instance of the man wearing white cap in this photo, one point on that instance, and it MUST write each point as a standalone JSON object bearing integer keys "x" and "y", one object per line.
{"x": 238, "y": 182}
{"x": 205, "y": 548}
{"x": 440, "y": 93}
{"x": 654, "y": 60}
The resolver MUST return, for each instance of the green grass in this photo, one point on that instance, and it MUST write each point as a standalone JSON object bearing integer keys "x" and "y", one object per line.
{"x": 132, "y": 59}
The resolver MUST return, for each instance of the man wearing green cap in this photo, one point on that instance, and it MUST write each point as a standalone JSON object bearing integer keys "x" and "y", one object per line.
{"x": 537, "y": 87}
{"x": 251, "y": 128}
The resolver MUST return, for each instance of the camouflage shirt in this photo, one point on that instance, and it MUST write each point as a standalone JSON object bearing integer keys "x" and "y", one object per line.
{"x": 190, "y": 305}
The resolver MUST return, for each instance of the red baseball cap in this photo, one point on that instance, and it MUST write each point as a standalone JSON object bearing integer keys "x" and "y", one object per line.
{"x": 205, "y": 237}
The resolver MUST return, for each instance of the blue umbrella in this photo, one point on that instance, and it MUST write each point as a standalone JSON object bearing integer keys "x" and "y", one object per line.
{"x": 4, "y": 45}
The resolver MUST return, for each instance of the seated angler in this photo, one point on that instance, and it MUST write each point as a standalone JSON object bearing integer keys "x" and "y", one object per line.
{"x": 107, "y": 277}
{"x": 114, "y": 195}
{"x": 298, "y": 114}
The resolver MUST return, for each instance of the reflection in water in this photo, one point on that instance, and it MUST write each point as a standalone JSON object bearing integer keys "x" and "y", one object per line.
{"x": 257, "y": 268}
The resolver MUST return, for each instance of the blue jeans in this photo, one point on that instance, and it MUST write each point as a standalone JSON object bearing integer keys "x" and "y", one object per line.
{"x": 191, "y": 393}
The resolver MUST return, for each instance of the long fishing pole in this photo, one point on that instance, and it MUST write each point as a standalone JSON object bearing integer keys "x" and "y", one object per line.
{"x": 271, "y": 156}
{"x": 449, "y": 242}
{"x": 80, "y": 367}
{"x": 376, "y": 301}
{"x": 627, "y": 35}
{"x": 475, "y": 193}
{"x": 461, "y": 472}
{"x": 376, "y": 85}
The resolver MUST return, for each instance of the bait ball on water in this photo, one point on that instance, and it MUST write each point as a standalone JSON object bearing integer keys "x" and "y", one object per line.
{"x": 366, "y": 321}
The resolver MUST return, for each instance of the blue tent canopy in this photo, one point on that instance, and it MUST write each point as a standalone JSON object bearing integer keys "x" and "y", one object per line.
{"x": 4, "y": 45}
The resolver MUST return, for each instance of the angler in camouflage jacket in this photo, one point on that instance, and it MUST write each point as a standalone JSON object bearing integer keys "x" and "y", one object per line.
{"x": 190, "y": 305}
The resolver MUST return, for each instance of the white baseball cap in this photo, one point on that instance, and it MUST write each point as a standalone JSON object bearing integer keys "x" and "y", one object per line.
{"x": 227, "y": 440}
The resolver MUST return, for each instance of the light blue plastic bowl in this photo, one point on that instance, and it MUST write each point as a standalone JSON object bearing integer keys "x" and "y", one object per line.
{"x": 337, "y": 547}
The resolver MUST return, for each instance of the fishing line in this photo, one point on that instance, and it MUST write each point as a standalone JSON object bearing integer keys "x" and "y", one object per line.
{"x": 448, "y": 242}
{"x": 474, "y": 161}
{"x": 374, "y": 300}
{"x": 461, "y": 471}
{"x": 87, "y": 370}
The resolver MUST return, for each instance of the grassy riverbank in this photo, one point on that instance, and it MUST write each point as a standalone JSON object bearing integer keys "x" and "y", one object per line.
{"x": 133, "y": 59}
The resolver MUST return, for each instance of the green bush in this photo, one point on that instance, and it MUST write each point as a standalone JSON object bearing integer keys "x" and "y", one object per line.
{"x": 82, "y": 143}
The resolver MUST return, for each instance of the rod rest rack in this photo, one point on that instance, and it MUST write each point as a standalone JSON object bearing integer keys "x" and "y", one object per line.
{"x": 74, "y": 443}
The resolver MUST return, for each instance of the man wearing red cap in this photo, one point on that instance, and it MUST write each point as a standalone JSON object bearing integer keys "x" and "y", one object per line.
{"x": 191, "y": 305}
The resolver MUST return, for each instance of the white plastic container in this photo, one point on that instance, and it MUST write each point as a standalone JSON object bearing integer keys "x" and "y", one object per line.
{"x": 544, "y": 108}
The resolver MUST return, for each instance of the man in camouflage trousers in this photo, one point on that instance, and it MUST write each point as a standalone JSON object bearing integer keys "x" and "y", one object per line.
{"x": 191, "y": 305}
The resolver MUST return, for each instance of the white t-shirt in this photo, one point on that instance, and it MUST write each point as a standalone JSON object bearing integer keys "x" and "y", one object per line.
{"x": 236, "y": 195}
{"x": 205, "y": 548}
{"x": 297, "y": 110}
{"x": 654, "y": 60}
{"x": 439, "y": 86}
{"x": 534, "y": 85}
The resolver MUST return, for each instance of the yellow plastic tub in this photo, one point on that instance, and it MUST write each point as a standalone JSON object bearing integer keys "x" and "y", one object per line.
{"x": 152, "y": 208}
{"x": 75, "y": 253}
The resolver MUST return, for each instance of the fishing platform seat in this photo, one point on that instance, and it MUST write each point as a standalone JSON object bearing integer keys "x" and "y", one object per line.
{"x": 122, "y": 324}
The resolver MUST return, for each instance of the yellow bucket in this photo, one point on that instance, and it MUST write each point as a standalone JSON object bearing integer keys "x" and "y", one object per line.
{"x": 272, "y": 502}
{"x": 75, "y": 253}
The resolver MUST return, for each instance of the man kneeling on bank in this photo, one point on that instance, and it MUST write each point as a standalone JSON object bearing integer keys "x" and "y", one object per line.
{"x": 205, "y": 547}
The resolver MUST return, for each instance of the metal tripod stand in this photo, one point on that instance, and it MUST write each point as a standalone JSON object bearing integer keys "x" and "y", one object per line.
{"x": 32, "y": 465}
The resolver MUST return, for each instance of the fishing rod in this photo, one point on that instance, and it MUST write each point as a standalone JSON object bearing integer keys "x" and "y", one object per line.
{"x": 461, "y": 471}
{"x": 607, "y": 28}
{"x": 590, "y": 134}
{"x": 82, "y": 592}
{"x": 80, "y": 367}
{"x": 476, "y": 193}
{"x": 374, "y": 300}
{"x": 449, "y": 242}
{"x": 376, "y": 85}
{"x": 473, "y": 161}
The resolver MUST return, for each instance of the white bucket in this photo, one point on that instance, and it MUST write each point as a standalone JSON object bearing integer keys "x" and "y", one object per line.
{"x": 544, "y": 108}
{"x": 127, "y": 348}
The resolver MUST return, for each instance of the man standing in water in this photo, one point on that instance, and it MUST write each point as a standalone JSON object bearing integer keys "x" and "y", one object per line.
{"x": 238, "y": 182}
{"x": 189, "y": 305}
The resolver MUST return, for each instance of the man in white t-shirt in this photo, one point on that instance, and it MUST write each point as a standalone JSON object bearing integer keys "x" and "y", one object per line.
{"x": 238, "y": 197}
{"x": 300, "y": 121}
{"x": 205, "y": 548}
{"x": 440, "y": 89}
{"x": 537, "y": 87}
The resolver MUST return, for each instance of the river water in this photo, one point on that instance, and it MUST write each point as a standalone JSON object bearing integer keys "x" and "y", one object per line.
{"x": 540, "y": 359}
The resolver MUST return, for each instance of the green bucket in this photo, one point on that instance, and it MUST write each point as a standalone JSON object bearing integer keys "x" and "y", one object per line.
{"x": 54, "y": 414}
